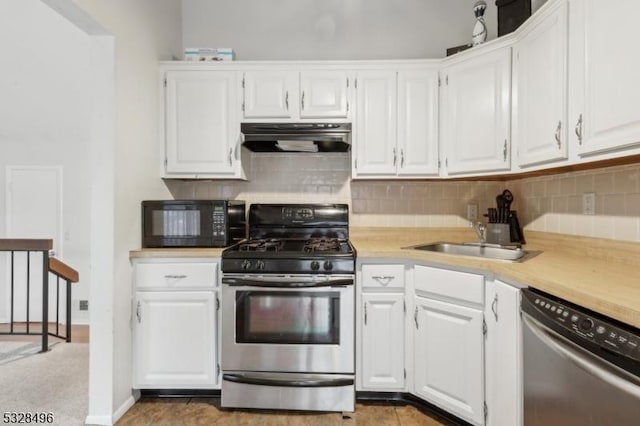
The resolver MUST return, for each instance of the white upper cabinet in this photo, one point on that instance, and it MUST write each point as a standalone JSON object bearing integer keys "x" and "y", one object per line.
{"x": 281, "y": 95}
{"x": 418, "y": 122}
{"x": 609, "y": 119}
{"x": 270, "y": 94}
{"x": 476, "y": 112}
{"x": 396, "y": 131}
{"x": 540, "y": 88}
{"x": 324, "y": 94}
{"x": 201, "y": 124}
{"x": 374, "y": 135}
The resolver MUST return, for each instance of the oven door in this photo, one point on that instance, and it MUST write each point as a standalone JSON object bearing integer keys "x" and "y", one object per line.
{"x": 296, "y": 324}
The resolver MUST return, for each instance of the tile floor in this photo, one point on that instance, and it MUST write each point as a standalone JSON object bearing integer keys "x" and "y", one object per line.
{"x": 206, "y": 411}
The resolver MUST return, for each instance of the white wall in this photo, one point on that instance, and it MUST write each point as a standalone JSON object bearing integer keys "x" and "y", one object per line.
{"x": 145, "y": 31}
{"x": 44, "y": 116}
{"x": 332, "y": 29}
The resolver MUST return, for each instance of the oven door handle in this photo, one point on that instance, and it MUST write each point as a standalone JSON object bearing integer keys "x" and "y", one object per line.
{"x": 244, "y": 282}
{"x": 298, "y": 383}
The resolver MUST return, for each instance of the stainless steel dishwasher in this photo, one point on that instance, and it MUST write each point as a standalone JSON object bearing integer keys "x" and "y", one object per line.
{"x": 579, "y": 368}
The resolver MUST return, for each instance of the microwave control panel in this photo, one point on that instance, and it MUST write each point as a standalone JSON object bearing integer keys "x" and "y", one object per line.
{"x": 219, "y": 221}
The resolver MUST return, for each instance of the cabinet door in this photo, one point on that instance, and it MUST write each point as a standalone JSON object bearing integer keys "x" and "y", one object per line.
{"x": 270, "y": 94}
{"x": 383, "y": 341}
{"x": 449, "y": 357}
{"x": 202, "y": 127}
{"x": 323, "y": 94}
{"x": 477, "y": 111}
{"x": 611, "y": 117}
{"x": 175, "y": 340}
{"x": 418, "y": 123}
{"x": 375, "y": 130}
{"x": 503, "y": 355}
{"x": 540, "y": 89}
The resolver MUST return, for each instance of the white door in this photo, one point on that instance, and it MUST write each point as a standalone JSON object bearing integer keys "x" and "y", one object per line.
{"x": 33, "y": 210}
{"x": 383, "y": 341}
{"x": 476, "y": 133}
{"x": 418, "y": 122}
{"x": 270, "y": 94}
{"x": 503, "y": 354}
{"x": 375, "y": 130}
{"x": 612, "y": 94}
{"x": 324, "y": 94}
{"x": 175, "y": 340}
{"x": 202, "y": 128}
{"x": 448, "y": 360}
{"x": 540, "y": 82}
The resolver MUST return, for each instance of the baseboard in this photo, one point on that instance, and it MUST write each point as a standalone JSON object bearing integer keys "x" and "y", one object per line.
{"x": 99, "y": 420}
{"x": 408, "y": 399}
{"x": 128, "y": 403}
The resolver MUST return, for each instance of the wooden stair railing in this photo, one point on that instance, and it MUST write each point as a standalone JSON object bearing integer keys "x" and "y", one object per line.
{"x": 49, "y": 265}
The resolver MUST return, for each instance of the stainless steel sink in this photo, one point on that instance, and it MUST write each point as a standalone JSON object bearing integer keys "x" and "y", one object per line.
{"x": 487, "y": 251}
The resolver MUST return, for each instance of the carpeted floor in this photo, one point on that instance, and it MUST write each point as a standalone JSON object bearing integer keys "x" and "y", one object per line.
{"x": 54, "y": 382}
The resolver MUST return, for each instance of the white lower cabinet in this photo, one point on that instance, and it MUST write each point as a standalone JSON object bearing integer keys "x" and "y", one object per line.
{"x": 175, "y": 324}
{"x": 448, "y": 341}
{"x": 504, "y": 355}
{"x": 381, "y": 341}
{"x": 448, "y": 366}
{"x": 175, "y": 340}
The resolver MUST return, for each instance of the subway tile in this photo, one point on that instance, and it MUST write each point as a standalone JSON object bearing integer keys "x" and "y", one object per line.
{"x": 632, "y": 205}
{"x": 552, "y": 187}
{"x": 584, "y": 183}
{"x": 626, "y": 180}
{"x": 613, "y": 204}
{"x": 568, "y": 185}
{"x": 603, "y": 183}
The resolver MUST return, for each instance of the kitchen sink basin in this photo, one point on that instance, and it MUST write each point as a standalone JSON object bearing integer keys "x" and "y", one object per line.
{"x": 487, "y": 251}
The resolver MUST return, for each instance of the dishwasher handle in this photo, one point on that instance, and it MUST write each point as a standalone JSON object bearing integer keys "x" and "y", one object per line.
{"x": 584, "y": 359}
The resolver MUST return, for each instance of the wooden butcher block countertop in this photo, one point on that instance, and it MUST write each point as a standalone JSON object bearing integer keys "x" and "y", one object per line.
{"x": 601, "y": 275}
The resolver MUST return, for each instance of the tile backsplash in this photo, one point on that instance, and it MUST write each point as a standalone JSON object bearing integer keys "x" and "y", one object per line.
{"x": 547, "y": 203}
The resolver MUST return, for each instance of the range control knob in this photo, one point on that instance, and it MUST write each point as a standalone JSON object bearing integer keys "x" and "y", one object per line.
{"x": 260, "y": 264}
{"x": 246, "y": 264}
{"x": 315, "y": 265}
{"x": 586, "y": 324}
{"x": 328, "y": 265}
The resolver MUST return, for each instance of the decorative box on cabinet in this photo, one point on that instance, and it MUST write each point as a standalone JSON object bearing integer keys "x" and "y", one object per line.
{"x": 175, "y": 324}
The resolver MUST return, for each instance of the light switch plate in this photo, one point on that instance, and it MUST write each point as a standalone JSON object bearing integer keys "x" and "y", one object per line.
{"x": 589, "y": 203}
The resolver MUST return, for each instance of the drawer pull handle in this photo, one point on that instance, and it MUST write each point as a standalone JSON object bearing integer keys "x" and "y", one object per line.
{"x": 175, "y": 277}
{"x": 384, "y": 280}
{"x": 138, "y": 314}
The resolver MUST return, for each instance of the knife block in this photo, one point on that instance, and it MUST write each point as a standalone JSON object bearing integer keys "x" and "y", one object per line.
{"x": 498, "y": 233}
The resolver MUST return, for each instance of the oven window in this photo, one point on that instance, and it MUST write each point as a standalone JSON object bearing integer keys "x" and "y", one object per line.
{"x": 288, "y": 317}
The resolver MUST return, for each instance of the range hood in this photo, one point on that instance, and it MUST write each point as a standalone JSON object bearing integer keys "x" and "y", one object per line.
{"x": 296, "y": 137}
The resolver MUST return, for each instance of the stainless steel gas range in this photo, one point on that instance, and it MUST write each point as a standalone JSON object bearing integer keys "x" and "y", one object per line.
{"x": 288, "y": 310}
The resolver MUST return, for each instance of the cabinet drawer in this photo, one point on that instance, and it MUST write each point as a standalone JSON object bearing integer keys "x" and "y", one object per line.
{"x": 176, "y": 275}
{"x": 383, "y": 276}
{"x": 451, "y": 284}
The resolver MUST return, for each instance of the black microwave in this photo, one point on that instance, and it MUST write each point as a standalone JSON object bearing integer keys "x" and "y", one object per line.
{"x": 192, "y": 223}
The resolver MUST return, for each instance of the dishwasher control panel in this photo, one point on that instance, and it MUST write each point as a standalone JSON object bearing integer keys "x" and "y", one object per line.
{"x": 587, "y": 325}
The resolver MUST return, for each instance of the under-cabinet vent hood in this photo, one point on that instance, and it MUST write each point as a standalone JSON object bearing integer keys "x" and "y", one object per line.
{"x": 296, "y": 137}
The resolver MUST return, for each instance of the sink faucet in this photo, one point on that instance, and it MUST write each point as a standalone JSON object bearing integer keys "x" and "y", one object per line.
{"x": 481, "y": 231}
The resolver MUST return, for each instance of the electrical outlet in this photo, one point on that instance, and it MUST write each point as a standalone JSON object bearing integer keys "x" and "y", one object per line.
{"x": 472, "y": 212}
{"x": 589, "y": 203}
